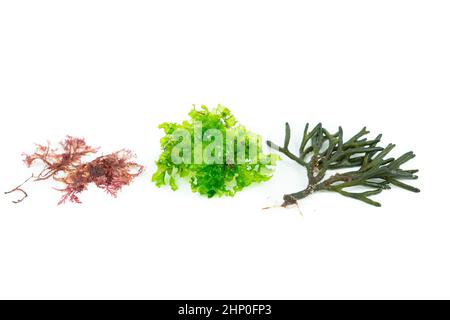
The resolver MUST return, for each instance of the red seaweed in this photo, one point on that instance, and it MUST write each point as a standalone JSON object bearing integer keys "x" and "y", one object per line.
{"x": 110, "y": 172}
{"x": 64, "y": 164}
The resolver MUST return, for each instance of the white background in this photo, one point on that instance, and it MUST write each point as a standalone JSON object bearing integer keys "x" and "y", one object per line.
{"x": 111, "y": 71}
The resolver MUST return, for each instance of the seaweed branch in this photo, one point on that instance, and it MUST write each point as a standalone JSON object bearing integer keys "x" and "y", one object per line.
{"x": 321, "y": 151}
{"x": 19, "y": 189}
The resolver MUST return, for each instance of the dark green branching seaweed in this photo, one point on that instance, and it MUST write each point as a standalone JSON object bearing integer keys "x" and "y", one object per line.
{"x": 321, "y": 151}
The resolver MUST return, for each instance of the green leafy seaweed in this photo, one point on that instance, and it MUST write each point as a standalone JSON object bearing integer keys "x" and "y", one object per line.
{"x": 211, "y": 151}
